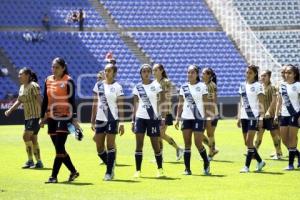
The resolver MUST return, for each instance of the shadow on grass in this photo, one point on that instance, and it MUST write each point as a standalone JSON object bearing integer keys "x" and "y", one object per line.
{"x": 281, "y": 160}
{"x": 269, "y": 173}
{"x": 223, "y": 161}
{"x": 75, "y": 183}
{"x": 125, "y": 181}
{"x": 123, "y": 165}
{"x": 1, "y": 190}
{"x": 174, "y": 162}
{"x": 212, "y": 175}
{"x": 161, "y": 178}
{"x": 41, "y": 169}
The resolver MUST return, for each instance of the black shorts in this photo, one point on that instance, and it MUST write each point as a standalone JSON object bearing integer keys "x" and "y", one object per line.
{"x": 196, "y": 125}
{"x": 147, "y": 125}
{"x": 109, "y": 127}
{"x": 169, "y": 120}
{"x": 57, "y": 126}
{"x": 249, "y": 125}
{"x": 289, "y": 121}
{"x": 269, "y": 125}
{"x": 32, "y": 125}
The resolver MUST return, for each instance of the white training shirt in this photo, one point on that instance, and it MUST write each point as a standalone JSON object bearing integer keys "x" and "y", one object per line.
{"x": 293, "y": 91}
{"x": 112, "y": 92}
{"x": 152, "y": 90}
{"x": 252, "y": 92}
{"x": 197, "y": 91}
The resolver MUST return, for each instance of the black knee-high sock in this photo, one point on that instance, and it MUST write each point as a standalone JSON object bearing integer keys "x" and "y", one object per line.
{"x": 257, "y": 157}
{"x": 67, "y": 161}
{"x": 203, "y": 155}
{"x": 158, "y": 158}
{"x": 103, "y": 156}
{"x": 292, "y": 154}
{"x": 56, "y": 166}
{"x": 187, "y": 158}
{"x": 111, "y": 156}
{"x": 138, "y": 160}
{"x": 249, "y": 156}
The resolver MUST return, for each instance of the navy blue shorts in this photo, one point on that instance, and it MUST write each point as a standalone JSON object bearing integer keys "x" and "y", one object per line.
{"x": 110, "y": 127}
{"x": 249, "y": 125}
{"x": 289, "y": 121}
{"x": 32, "y": 125}
{"x": 269, "y": 124}
{"x": 147, "y": 125}
{"x": 57, "y": 126}
{"x": 196, "y": 125}
{"x": 169, "y": 120}
{"x": 214, "y": 122}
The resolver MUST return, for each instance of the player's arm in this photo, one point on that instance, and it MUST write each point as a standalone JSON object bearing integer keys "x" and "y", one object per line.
{"x": 207, "y": 107}
{"x": 239, "y": 113}
{"x": 120, "y": 104}
{"x": 162, "y": 106}
{"x": 272, "y": 106}
{"x": 44, "y": 106}
{"x": 278, "y": 108}
{"x": 179, "y": 111}
{"x": 16, "y": 104}
{"x": 135, "y": 104}
{"x": 261, "y": 98}
{"x": 94, "y": 111}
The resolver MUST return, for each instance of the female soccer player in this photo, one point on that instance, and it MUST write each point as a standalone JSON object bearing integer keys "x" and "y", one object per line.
{"x": 166, "y": 85}
{"x": 192, "y": 111}
{"x": 289, "y": 105}
{"x": 147, "y": 101}
{"x": 251, "y": 115}
{"x": 106, "y": 113}
{"x": 58, "y": 110}
{"x": 270, "y": 101}
{"x": 210, "y": 79}
{"x": 30, "y": 97}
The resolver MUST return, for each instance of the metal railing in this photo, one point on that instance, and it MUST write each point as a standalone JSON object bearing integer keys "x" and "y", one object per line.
{"x": 249, "y": 45}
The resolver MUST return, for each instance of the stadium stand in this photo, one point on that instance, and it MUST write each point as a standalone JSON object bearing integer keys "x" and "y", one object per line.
{"x": 266, "y": 13}
{"x": 161, "y": 13}
{"x": 24, "y": 13}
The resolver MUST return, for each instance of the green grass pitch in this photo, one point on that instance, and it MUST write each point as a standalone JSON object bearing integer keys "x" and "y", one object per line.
{"x": 225, "y": 183}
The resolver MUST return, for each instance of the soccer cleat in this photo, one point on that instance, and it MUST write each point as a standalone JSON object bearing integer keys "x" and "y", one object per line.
{"x": 273, "y": 154}
{"x": 244, "y": 170}
{"x": 210, "y": 157}
{"x": 73, "y": 176}
{"x": 179, "y": 153}
{"x": 28, "y": 164}
{"x": 38, "y": 165}
{"x": 260, "y": 166}
{"x": 277, "y": 156}
{"x": 108, "y": 177}
{"x": 160, "y": 173}
{"x": 137, "y": 174}
{"x": 206, "y": 171}
{"x": 51, "y": 180}
{"x": 289, "y": 168}
{"x": 187, "y": 172}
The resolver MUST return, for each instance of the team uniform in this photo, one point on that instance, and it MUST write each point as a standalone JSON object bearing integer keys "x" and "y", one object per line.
{"x": 59, "y": 108}
{"x": 268, "y": 123}
{"x": 250, "y": 105}
{"x": 107, "y": 112}
{"x": 166, "y": 86}
{"x": 249, "y": 118}
{"x": 212, "y": 92}
{"x": 32, "y": 108}
{"x": 147, "y": 116}
{"x": 193, "y": 118}
{"x": 290, "y": 104}
{"x": 193, "y": 109}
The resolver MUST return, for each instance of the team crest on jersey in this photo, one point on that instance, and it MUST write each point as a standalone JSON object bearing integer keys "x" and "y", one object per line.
{"x": 62, "y": 85}
{"x": 252, "y": 89}
{"x": 198, "y": 89}
{"x": 294, "y": 88}
{"x": 152, "y": 88}
{"x": 112, "y": 90}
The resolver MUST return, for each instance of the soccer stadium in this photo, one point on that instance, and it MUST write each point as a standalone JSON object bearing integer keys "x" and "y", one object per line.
{"x": 149, "y": 99}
